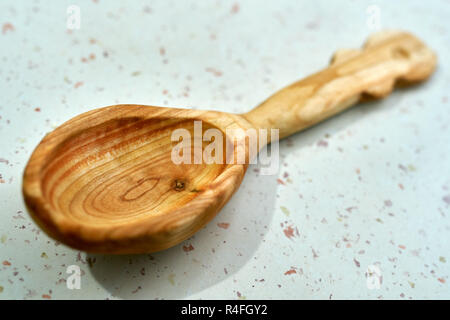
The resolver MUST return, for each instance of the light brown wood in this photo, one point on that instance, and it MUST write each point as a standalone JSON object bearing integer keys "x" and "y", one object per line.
{"x": 104, "y": 181}
{"x": 386, "y": 58}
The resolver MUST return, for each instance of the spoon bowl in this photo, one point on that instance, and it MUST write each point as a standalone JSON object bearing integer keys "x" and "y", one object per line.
{"x": 111, "y": 184}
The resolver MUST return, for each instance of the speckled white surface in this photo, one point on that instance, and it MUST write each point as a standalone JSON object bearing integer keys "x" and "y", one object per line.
{"x": 374, "y": 191}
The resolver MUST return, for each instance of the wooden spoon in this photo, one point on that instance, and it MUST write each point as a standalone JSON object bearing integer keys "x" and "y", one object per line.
{"x": 104, "y": 180}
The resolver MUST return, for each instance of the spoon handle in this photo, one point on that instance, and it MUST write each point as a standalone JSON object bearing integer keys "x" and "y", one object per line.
{"x": 353, "y": 75}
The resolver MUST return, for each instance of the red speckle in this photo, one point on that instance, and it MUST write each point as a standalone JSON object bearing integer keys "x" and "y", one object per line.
{"x": 188, "y": 248}
{"x": 46, "y": 296}
{"x": 446, "y": 199}
{"x": 289, "y": 272}
{"x": 238, "y": 294}
{"x": 162, "y": 51}
{"x": 281, "y": 182}
{"x": 7, "y": 27}
{"x": 37, "y": 109}
{"x": 235, "y": 8}
{"x": 92, "y": 56}
{"x": 78, "y": 84}
{"x": 441, "y": 280}
{"x": 290, "y": 232}
{"x": 223, "y": 225}
{"x": 215, "y": 72}
{"x": 6, "y": 263}
{"x": 322, "y": 143}
{"x": 401, "y": 186}
{"x": 401, "y": 246}
{"x": 136, "y": 290}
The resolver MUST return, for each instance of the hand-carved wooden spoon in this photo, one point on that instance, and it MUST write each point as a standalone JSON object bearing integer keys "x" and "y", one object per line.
{"x": 104, "y": 181}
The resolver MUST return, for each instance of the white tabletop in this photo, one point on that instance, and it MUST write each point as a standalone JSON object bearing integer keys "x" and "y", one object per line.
{"x": 366, "y": 192}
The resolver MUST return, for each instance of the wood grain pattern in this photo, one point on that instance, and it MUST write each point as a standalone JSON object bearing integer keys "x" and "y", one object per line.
{"x": 387, "y": 58}
{"x": 104, "y": 181}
